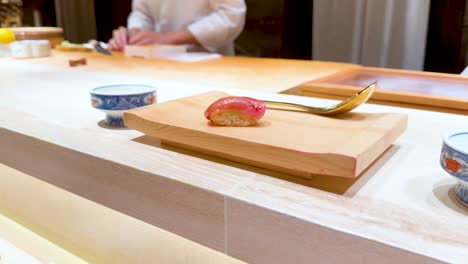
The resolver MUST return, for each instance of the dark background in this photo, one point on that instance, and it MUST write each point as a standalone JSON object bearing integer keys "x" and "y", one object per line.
{"x": 447, "y": 36}
{"x": 287, "y": 35}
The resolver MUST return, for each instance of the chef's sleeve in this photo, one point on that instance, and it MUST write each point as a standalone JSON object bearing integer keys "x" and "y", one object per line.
{"x": 140, "y": 16}
{"x": 222, "y": 26}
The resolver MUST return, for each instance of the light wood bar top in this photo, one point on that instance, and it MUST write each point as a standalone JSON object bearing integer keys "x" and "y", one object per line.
{"x": 402, "y": 209}
{"x": 270, "y": 75}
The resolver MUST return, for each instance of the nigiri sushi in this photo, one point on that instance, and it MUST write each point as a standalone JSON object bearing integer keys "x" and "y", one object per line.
{"x": 235, "y": 111}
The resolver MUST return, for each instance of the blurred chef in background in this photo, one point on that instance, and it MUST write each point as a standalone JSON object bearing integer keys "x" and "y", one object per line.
{"x": 209, "y": 25}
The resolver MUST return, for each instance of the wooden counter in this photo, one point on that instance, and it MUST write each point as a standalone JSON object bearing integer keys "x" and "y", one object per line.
{"x": 402, "y": 209}
{"x": 269, "y": 75}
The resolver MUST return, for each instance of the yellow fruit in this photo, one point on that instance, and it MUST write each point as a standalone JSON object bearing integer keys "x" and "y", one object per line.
{"x": 6, "y": 36}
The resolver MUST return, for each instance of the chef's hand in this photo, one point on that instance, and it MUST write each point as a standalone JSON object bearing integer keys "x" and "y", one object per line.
{"x": 146, "y": 37}
{"x": 119, "y": 39}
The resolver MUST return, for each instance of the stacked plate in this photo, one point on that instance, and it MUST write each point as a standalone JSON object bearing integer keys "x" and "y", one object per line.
{"x": 30, "y": 48}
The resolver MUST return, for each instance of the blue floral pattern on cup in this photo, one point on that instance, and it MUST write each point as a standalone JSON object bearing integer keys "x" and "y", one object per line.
{"x": 454, "y": 163}
{"x": 123, "y": 102}
{"x": 461, "y": 191}
{"x": 114, "y": 100}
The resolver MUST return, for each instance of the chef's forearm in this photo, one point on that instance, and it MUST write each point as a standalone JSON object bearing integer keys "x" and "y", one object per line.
{"x": 182, "y": 37}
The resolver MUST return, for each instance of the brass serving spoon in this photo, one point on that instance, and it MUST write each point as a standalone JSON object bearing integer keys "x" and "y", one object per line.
{"x": 340, "y": 108}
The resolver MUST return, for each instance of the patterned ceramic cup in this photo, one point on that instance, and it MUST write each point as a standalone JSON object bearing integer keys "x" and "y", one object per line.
{"x": 454, "y": 160}
{"x": 114, "y": 100}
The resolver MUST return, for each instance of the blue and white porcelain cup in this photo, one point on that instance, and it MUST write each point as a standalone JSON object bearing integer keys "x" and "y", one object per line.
{"x": 114, "y": 100}
{"x": 454, "y": 160}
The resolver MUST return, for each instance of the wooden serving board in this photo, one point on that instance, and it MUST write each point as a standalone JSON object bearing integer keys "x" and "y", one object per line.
{"x": 395, "y": 86}
{"x": 292, "y": 142}
{"x": 53, "y": 34}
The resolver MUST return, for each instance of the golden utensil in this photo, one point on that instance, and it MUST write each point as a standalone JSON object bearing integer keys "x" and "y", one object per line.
{"x": 340, "y": 108}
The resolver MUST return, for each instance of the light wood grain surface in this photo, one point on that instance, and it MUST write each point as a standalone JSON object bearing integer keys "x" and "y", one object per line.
{"x": 95, "y": 233}
{"x": 28, "y": 247}
{"x": 270, "y": 75}
{"x": 292, "y": 142}
{"x": 401, "y": 209}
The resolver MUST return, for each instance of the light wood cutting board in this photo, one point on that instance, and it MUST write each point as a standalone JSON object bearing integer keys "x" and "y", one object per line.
{"x": 292, "y": 142}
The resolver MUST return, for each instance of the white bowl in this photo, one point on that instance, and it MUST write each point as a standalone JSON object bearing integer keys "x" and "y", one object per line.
{"x": 114, "y": 100}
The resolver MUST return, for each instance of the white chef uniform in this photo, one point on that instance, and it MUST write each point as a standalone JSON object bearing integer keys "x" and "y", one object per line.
{"x": 214, "y": 23}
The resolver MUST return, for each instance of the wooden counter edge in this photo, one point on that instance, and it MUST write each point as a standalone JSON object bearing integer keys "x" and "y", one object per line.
{"x": 94, "y": 232}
